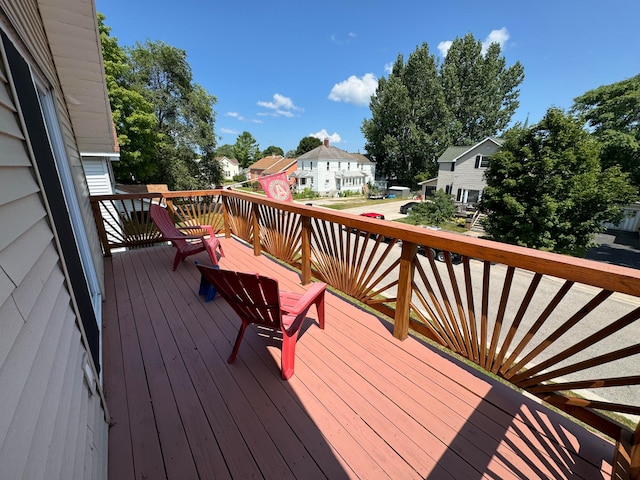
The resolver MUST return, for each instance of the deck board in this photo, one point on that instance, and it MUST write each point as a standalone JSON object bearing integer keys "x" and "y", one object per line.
{"x": 361, "y": 405}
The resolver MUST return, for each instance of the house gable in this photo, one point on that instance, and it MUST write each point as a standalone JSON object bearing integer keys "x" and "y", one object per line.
{"x": 461, "y": 169}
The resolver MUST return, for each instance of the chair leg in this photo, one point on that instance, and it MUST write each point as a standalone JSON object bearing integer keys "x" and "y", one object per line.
{"x": 320, "y": 306}
{"x": 288, "y": 355}
{"x": 176, "y": 261}
{"x": 236, "y": 346}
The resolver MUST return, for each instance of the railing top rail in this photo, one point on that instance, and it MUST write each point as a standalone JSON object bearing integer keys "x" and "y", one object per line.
{"x": 589, "y": 272}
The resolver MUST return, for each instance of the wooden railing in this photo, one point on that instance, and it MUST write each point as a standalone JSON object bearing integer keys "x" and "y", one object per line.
{"x": 564, "y": 329}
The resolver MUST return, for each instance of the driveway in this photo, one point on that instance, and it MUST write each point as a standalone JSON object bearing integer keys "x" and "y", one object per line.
{"x": 617, "y": 248}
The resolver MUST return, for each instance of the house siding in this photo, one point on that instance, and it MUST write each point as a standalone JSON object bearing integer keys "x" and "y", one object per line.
{"x": 24, "y": 18}
{"x": 52, "y": 425}
{"x": 465, "y": 175}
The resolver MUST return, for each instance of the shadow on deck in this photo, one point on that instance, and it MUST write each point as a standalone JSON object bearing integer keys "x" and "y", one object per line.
{"x": 360, "y": 405}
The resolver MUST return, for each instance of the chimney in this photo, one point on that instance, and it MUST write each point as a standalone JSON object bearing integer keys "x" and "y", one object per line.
{"x": 326, "y": 142}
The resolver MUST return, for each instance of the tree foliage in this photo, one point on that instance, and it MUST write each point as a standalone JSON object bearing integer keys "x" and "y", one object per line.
{"x": 307, "y": 144}
{"x": 423, "y": 107}
{"x": 246, "y": 150}
{"x": 272, "y": 150}
{"x": 133, "y": 116}
{"x": 438, "y": 209}
{"x": 164, "y": 120}
{"x": 547, "y": 190}
{"x": 225, "y": 150}
{"x": 613, "y": 112}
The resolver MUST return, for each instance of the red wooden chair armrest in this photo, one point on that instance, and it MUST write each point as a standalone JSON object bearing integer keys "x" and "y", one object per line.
{"x": 305, "y": 300}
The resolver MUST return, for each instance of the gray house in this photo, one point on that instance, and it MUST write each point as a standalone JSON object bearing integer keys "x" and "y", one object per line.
{"x": 461, "y": 169}
{"x": 54, "y": 112}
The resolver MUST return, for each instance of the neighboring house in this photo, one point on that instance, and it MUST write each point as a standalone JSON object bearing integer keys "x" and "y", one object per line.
{"x": 428, "y": 186}
{"x": 327, "y": 170}
{"x": 54, "y": 112}
{"x": 461, "y": 169}
{"x": 230, "y": 167}
{"x": 270, "y": 165}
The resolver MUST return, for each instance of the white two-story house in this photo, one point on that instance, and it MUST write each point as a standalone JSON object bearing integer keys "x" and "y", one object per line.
{"x": 328, "y": 170}
{"x": 230, "y": 167}
{"x": 461, "y": 169}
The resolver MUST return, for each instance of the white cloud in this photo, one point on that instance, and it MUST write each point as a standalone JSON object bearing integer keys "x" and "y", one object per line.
{"x": 444, "y": 47}
{"x": 229, "y": 131}
{"x": 388, "y": 68}
{"x": 281, "y": 106}
{"x": 322, "y": 134}
{"x": 495, "y": 36}
{"x": 234, "y": 115}
{"x": 355, "y": 90}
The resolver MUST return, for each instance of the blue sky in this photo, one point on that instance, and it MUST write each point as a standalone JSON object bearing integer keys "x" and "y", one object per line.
{"x": 285, "y": 69}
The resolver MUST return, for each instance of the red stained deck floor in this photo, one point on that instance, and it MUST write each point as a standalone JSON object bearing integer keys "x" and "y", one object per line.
{"x": 360, "y": 405}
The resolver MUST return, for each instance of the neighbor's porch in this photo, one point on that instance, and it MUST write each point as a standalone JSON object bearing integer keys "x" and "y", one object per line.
{"x": 362, "y": 404}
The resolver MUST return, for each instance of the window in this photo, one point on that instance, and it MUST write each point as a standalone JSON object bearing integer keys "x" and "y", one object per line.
{"x": 453, "y": 166}
{"x": 327, "y": 166}
{"x": 448, "y": 189}
{"x": 339, "y": 165}
{"x": 482, "y": 161}
{"x": 348, "y": 165}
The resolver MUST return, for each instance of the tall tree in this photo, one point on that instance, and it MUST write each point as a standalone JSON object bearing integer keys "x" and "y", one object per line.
{"x": 307, "y": 144}
{"x": 133, "y": 116}
{"x": 546, "y": 189}
{"x": 184, "y": 112}
{"x": 613, "y": 112}
{"x": 481, "y": 93}
{"x": 421, "y": 108}
{"x": 246, "y": 149}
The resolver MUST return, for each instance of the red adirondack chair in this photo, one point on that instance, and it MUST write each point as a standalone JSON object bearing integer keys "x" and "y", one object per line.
{"x": 185, "y": 244}
{"x": 257, "y": 299}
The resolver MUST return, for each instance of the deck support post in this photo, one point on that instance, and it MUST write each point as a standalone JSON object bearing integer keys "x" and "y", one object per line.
{"x": 405, "y": 282}
{"x": 255, "y": 218}
{"x": 225, "y": 216}
{"x": 634, "y": 467}
{"x": 306, "y": 250}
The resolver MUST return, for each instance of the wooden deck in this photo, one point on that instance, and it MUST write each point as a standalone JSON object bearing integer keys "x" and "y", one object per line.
{"x": 360, "y": 405}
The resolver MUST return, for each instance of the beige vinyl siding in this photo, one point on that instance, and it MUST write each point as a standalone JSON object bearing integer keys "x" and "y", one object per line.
{"x": 51, "y": 425}
{"x": 24, "y": 16}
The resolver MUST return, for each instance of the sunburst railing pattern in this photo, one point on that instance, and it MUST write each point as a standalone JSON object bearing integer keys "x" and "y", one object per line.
{"x": 564, "y": 329}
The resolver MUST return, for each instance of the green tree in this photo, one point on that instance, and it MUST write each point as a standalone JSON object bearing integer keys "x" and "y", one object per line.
{"x": 422, "y": 108}
{"x": 272, "y": 150}
{"x": 435, "y": 211}
{"x": 613, "y": 112}
{"x": 307, "y": 144}
{"x": 547, "y": 190}
{"x": 133, "y": 116}
{"x": 184, "y": 112}
{"x": 225, "y": 150}
{"x": 246, "y": 149}
{"x": 481, "y": 93}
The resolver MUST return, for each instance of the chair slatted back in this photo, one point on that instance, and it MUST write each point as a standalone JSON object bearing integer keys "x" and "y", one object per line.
{"x": 253, "y": 297}
{"x": 163, "y": 221}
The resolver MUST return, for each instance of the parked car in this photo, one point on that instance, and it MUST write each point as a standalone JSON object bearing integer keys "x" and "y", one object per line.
{"x": 379, "y": 216}
{"x": 439, "y": 254}
{"x": 407, "y": 207}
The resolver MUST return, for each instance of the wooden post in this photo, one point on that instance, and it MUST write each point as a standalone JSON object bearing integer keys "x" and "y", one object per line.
{"x": 634, "y": 469}
{"x": 225, "y": 216}
{"x": 102, "y": 232}
{"x": 255, "y": 217}
{"x": 405, "y": 281}
{"x": 306, "y": 250}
